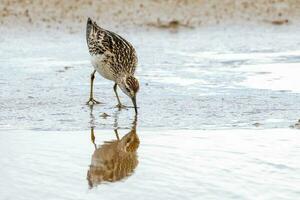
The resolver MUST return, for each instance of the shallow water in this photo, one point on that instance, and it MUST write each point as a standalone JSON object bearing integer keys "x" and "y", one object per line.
{"x": 226, "y": 164}
{"x": 210, "y": 78}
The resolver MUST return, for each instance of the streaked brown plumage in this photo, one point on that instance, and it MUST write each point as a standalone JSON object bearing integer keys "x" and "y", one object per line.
{"x": 114, "y": 58}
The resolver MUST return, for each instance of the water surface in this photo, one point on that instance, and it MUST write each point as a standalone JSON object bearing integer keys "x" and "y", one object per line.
{"x": 227, "y": 164}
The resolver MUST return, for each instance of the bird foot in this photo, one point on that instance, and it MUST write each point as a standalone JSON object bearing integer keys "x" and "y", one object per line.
{"x": 121, "y": 106}
{"x": 92, "y": 101}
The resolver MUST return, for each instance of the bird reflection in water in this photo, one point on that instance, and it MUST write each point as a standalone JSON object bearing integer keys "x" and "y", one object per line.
{"x": 114, "y": 160}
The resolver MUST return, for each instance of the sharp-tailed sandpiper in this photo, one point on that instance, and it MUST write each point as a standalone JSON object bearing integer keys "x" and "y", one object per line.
{"x": 114, "y": 58}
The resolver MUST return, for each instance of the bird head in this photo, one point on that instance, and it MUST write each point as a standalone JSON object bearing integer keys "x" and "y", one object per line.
{"x": 130, "y": 86}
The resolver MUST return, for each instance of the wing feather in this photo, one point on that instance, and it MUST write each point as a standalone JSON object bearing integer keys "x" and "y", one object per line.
{"x": 121, "y": 53}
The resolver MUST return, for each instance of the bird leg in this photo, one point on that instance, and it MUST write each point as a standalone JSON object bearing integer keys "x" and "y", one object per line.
{"x": 117, "y": 134}
{"x": 119, "y": 102}
{"x": 93, "y": 137}
{"x": 92, "y": 101}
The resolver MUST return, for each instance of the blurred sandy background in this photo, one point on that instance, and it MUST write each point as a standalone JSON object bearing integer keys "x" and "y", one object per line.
{"x": 150, "y": 13}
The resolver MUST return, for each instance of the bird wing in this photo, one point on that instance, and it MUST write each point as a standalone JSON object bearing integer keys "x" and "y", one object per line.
{"x": 120, "y": 52}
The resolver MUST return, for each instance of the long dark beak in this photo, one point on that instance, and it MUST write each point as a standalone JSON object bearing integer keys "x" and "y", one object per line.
{"x": 134, "y": 104}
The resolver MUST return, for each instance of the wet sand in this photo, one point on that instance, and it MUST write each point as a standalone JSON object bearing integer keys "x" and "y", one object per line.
{"x": 216, "y": 77}
{"x": 232, "y": 164}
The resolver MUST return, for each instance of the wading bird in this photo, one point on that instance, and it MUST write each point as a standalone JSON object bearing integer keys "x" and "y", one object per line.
{"x": 114, "y": 58}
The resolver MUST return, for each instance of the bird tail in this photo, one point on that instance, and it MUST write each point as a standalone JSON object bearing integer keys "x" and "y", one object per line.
{"x": 89, "y": 27}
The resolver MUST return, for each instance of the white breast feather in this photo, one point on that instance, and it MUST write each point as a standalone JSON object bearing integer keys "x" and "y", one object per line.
{"x": 101, "y": 67}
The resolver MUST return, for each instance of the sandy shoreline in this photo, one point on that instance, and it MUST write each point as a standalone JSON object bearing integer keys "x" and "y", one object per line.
{"x": 71, "y": 15}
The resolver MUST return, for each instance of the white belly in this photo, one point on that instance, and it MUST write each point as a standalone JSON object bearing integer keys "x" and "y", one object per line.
{"x": 102, "y": 67}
